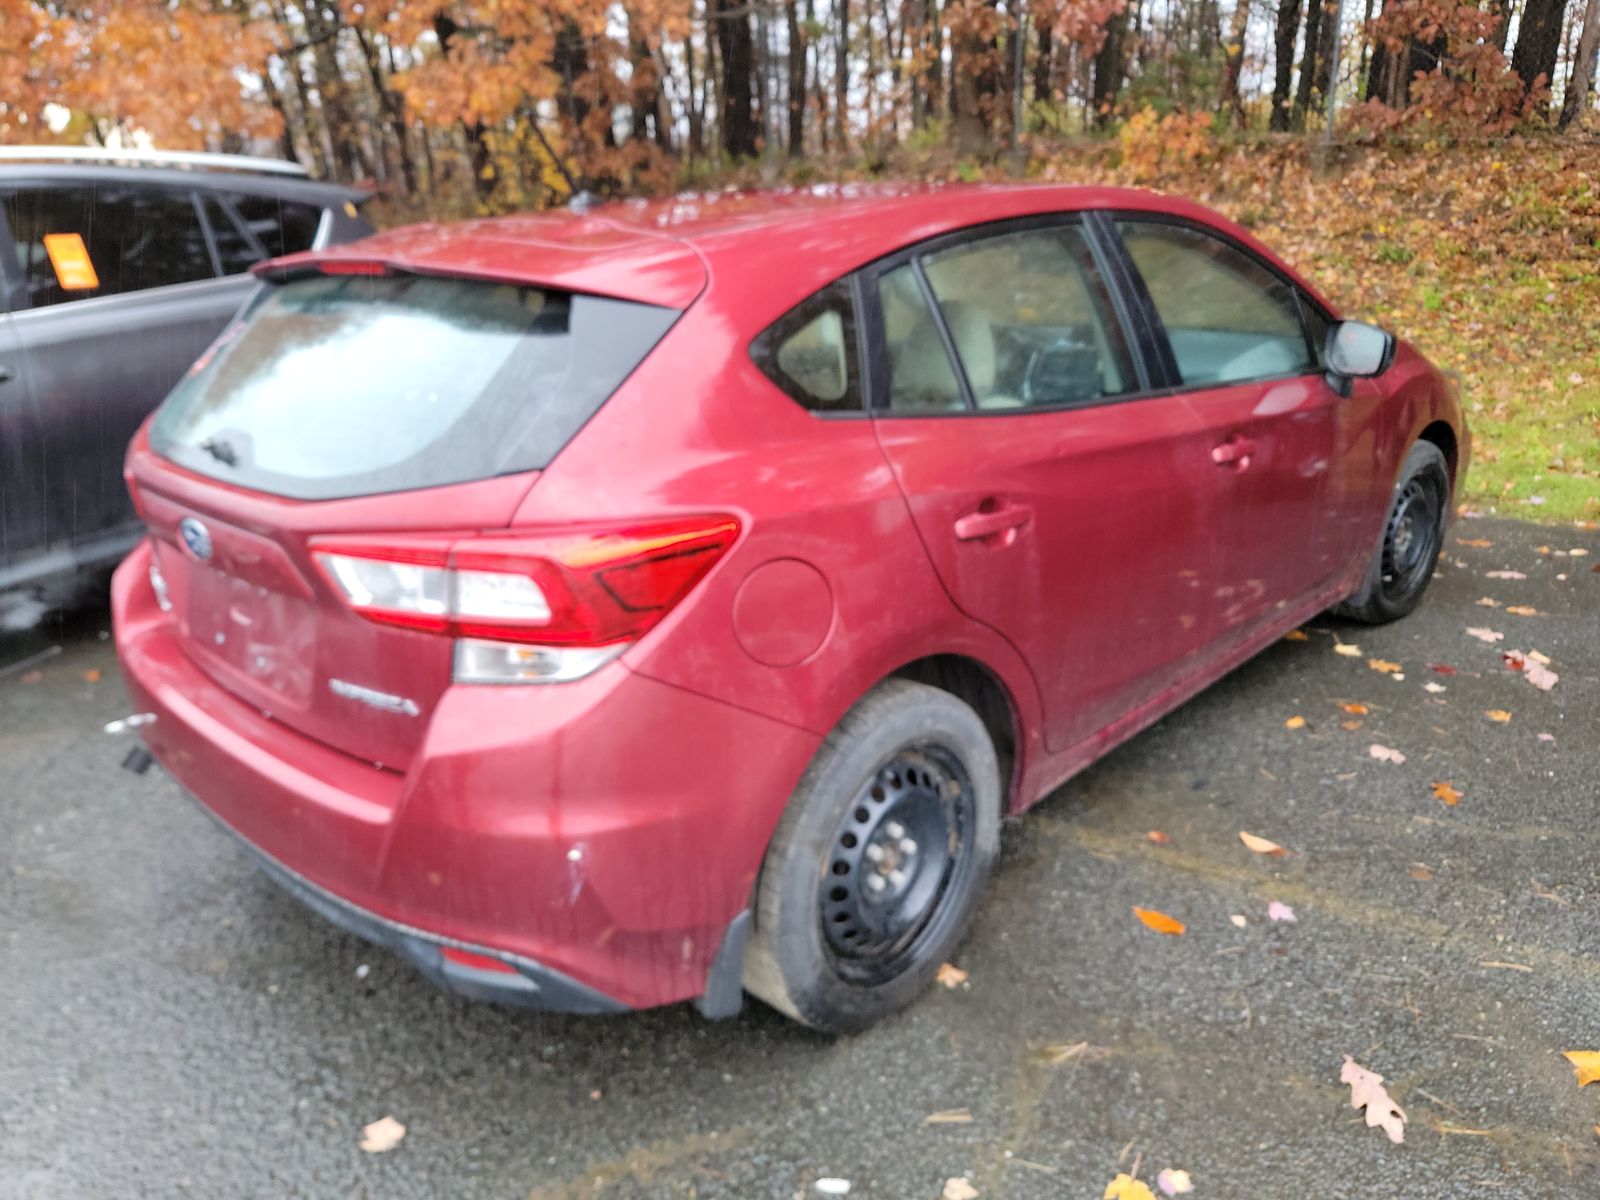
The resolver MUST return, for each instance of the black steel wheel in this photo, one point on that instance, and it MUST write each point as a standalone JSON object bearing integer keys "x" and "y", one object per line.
{"x": 877, "y": 861}
{"x": 1412, "y": 536}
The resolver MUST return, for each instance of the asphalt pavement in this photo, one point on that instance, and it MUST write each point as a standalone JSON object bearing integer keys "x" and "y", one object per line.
{"x": 172, "y": 1024}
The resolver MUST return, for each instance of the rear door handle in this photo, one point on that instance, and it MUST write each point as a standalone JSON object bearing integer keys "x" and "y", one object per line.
{"x": 1235, "y": 452}
{"x": 1001, "y": 524}
{"x": 7, "y": 373}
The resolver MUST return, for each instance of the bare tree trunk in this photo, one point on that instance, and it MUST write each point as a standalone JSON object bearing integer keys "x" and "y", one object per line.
{"x": 1538, "y": 41}
{"x": 736, "y": 49}
{"x": 1308, "y": 62}
{"x": 841, "y": 73}
{"x": 697, "y": 143}
{"x": 1110, "y": 64}
{"x": 1581, "y": 82}
{"x": 1283, "y": 60}
{"x": 1238, "y": 27}
{"x": 394, "y": 106}
{"x": 797, "y": 80}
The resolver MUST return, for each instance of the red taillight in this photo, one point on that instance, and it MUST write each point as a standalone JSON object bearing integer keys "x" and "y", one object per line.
{"x": 581, "y": 589}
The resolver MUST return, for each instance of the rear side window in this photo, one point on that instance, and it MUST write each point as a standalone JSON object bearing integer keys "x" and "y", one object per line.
{"x": 810, "y": 352}
{"x": 1228, "y": 318}
{"x": 75, "y": 241}
{"x": 353, "y": 385}
{"x": 281, "y": 226}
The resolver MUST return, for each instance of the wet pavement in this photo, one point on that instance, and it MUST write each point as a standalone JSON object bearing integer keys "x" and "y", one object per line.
{"x": 171, "y": 1024}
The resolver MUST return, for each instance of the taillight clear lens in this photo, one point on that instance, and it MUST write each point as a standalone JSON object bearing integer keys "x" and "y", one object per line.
{"x": 158, "y": 585}
{"x": 479, "y": 661}
{"x": 391, "y": 590}
{"x": 496, "y": 596}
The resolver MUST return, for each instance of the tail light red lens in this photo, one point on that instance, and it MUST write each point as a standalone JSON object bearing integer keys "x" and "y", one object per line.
{"x": 582, "y": 589}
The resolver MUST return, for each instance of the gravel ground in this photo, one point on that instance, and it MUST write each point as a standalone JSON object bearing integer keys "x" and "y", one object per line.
{"x": 170, "y": 1024}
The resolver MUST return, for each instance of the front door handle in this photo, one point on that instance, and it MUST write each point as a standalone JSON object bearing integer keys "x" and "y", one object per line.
{"x": 7, "y": 373}
{"x": 998, "y": 526}
{"x": 1235, "y": 452}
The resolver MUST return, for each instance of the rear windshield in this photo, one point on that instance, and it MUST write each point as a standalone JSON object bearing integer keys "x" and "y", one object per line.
{"x": 350, "y": 385}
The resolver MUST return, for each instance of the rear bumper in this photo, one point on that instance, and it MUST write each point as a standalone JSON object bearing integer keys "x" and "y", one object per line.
{"x": 601, "y": 837}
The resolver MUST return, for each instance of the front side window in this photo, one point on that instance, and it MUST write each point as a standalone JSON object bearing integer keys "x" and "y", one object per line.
{"x": 346, "y": 385}
{"x": 1031, "y": 321}
{"x": 810, "y": 352}
{"x": 74, "y": 241}
{"x": 1228, "y": 318}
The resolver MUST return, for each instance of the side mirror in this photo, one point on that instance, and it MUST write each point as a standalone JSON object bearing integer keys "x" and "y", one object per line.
{"x": 1356, "y": 350}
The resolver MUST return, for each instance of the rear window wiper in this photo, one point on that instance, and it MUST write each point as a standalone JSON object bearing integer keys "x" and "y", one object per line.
{"x": 222, "y": 450}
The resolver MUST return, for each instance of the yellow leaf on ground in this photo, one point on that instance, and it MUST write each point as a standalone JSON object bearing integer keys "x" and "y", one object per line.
{"x": 1352, "y": 726}
{"x": 949, "y": 1116}
{"x": 1126, "y": 1187}
{"x": 1295, "y": 723}
{"x": 383, "y": 1134}
{"x": 1159, "y": 921}
{"x": 1260, "y": 845}
{"x": 1296, "y": 635}
{"x": 1523, "y": 610}
{"x": 1475, "y": 543}
{"x": 1384, "y": 666}
{"x": 1348, "y": 649}
{"x": 1585, "y": 1065}
{"x": 1159, "y": 838}
{"x": 1355, "y": 709}
{"x": 1498, "y": 714}
{"x": 1443, "y": 790}
{"x": 951, "y": 975}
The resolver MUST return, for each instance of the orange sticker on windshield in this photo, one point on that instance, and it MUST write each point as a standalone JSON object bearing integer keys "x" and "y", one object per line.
{"x": 70, "y": 257}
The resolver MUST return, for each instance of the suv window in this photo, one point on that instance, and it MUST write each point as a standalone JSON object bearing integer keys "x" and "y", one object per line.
{"x": 352, "y": 385}
{"x": 136, "y": 237}
{"x": 281, "y": 226}
{"x": 1228, "y": 317}
{"x": 810, "y": 352}
{"x": 1031, "y": 320}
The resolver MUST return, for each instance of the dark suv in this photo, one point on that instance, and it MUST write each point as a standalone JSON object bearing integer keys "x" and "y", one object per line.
{"x": 123, "y": 267}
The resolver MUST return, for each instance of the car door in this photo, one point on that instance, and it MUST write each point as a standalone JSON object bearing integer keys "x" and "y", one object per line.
{"x": 1060, "y": 504}
{"x": 122, "y": 295}
{"x": 1234, "y": 340}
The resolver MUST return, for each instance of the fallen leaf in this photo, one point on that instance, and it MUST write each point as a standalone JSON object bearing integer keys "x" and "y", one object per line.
{"x": 1498, "y": 714}
{"x": 1057, "y": 1053}
{"x": 1488, "y": 602}
{"x": 1441, "y": 668}
{"x": 1543, "y": 659}
{"x": 949, "y": 1116}
{"x": 958, "y": 1189}
{"x": 1485, "y": 635}
{"x": 1443, "y": 791}
{"x": 1384, "y": 666}
{"x": 1547, "y": 737}
{"x": 1504, "y": 575}
{"x": 833, "y": 1187}
{"x": 1433, "y": 687}
{"x": 1542, "y": 677}
{"x": 1523, "y": 610}
{"x": 1513, "y": 659}
{"x": 1585, "y": 1065}
{"x": 1279, "y": 911}
{"x": 1126, "y": 1187}
{"x": 92, "y": 675}
{"x": 1173, "y": 1183}
{"x": 1352, "y": 726}
{"x": 1348, "y": 649}
{"x": 1475, "y": 543}
{"x": 1357, "y": 710}
{"x": 1578, "y": 552}
{"x": 1366, "y": 1091}
{"x": 951, "y": 975}
{"x": 1238, "y": 919}
{"x": 1159, "y": 838}
{"x": 1260, "y": 845}
{"x": 1295, "y": 723}
{"x": 1421, "y": 872}
{"x": 1159, "y": 921}
{"x": 1296, "y": 635}
{"x": 1385, "y": 754}
{"x": 382, "y": 1135}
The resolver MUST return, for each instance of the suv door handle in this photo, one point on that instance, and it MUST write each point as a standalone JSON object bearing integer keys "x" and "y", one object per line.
{"x": 1235, "y": 452}
{"x": 1000, "y": 523}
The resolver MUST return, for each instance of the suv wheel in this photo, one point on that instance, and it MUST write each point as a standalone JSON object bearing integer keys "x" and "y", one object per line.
{"x": 1412, "y": 537}
{"x": 879, "y": 857}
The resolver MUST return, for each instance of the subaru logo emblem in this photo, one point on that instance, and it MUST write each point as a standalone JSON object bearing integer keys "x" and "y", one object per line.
{"x": 196, "y": 537}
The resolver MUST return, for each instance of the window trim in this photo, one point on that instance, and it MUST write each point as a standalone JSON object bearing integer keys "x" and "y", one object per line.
{"x": 1161, "y": 346}
{"x": 763, "y": 353}
{"x": 878, "y": 349}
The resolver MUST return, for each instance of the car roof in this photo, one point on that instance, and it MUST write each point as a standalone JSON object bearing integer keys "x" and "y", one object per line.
{"x": 280, "y": 187}
{"x": 758, "y": 252}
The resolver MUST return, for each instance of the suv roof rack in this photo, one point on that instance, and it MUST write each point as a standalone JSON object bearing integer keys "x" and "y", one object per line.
{"x": 152, "y": 158}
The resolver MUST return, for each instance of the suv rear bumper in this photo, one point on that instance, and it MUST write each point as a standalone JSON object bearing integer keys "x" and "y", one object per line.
{"x": 599, "y": 838}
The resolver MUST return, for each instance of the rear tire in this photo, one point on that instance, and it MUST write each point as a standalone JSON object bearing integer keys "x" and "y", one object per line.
{"x": 1409, "y": 545}
{"x": 877, "y": 861}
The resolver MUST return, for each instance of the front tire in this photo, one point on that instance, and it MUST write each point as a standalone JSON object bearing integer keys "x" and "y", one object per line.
{"x": 877, "y": 861}
{"x": 1408, "y": 548}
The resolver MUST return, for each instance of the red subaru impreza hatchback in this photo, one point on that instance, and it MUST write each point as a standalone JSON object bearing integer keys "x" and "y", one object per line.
{"x": 614, "y": 609}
